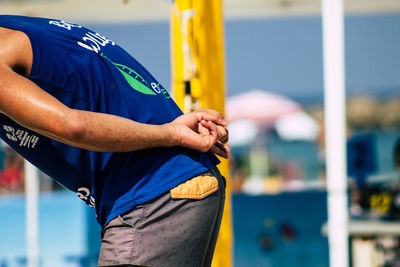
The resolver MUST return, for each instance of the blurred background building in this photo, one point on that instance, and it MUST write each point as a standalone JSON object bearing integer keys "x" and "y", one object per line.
{"x": 273, "y": 54}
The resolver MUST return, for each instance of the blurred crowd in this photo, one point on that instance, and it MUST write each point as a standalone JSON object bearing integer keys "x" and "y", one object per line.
{"x": 12, "y": 179}
{"x": 11, "y": 172}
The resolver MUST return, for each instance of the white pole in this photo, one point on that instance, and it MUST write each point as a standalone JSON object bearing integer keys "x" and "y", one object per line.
{"x": 32, "y": 229}
{"x": 335, "y": 129}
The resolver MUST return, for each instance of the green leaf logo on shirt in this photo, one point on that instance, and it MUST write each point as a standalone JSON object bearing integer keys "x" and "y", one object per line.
{"x": 133, "y": 78}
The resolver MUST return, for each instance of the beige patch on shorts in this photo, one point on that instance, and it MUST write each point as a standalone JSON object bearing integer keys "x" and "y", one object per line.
{"x": 196, "y": 188}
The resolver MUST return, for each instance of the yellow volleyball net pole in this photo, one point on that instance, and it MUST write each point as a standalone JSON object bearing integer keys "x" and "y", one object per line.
{"x": 198, "y": 81}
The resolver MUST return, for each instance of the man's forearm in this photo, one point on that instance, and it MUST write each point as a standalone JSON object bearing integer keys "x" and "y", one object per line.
{"x": 109, "y": 133}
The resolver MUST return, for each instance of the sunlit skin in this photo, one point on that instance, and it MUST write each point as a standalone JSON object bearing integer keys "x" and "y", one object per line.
{"x": 30, "y": 106}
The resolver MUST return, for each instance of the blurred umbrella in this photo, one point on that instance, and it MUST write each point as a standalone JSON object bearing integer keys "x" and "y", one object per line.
{"x": 297, "y": 126}
{"x": 260, "y": 106}
{"x": 256, "y": 108}
{"x": 240, "y": 137}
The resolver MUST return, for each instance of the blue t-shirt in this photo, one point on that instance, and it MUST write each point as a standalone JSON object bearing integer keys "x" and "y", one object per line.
{"x": 87, "y": 71}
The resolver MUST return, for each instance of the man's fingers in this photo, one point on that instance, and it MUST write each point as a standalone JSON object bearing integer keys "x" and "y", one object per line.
{"x": 220, "y": 150}
{"x": 223, "y": 134}
{"x": 203, "y": 129}
{"x": 209, "y": 132}
{"x": 211, "y": 112}
{"x": 217, "y": 119}
{"x": 223, "y": 146}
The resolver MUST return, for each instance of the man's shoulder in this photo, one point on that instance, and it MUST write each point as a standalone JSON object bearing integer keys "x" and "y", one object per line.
{"x": 15, "y": 50}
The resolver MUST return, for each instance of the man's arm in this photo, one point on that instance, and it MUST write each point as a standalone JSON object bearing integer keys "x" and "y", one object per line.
{"x": 27, "y": 104}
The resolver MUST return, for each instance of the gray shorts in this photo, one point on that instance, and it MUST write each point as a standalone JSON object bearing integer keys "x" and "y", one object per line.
{"x": 178, "y": 228}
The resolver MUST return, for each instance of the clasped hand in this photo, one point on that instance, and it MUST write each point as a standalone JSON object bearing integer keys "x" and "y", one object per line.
{"x": 203, "y": 130}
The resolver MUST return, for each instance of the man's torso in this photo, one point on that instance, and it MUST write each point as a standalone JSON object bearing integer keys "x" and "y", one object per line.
{"x": 85, "y": 70}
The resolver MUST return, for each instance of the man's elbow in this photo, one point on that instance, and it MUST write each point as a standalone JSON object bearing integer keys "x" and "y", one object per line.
{"x": 75, "y": 129}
